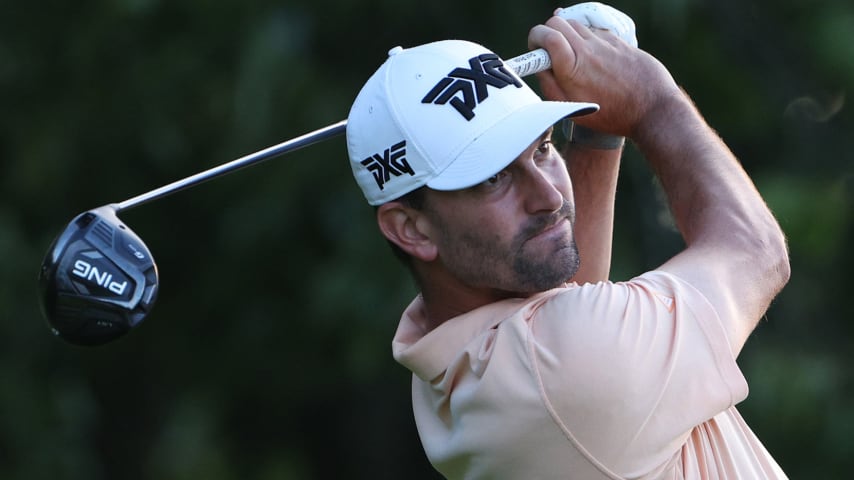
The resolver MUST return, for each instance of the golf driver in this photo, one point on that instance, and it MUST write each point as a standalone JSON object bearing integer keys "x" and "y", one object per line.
{"x": 98, "y": 280}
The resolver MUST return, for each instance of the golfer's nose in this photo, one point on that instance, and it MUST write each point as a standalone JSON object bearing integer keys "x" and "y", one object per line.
{"x": 541, "y": 192}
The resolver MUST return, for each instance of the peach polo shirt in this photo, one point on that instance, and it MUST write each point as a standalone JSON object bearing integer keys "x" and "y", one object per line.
{"x": 607, "y": 381}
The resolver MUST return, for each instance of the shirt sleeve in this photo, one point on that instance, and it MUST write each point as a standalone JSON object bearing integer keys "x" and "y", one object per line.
{"x": 628, "y": 369}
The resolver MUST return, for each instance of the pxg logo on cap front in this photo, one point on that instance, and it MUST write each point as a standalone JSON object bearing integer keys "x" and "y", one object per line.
{"x": 484, "y": 70}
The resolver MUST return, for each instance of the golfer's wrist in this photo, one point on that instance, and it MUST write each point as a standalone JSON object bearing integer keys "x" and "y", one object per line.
{"x": 585, "y": 137}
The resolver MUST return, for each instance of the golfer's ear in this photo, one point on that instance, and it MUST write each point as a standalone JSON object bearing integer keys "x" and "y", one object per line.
{"x": 407, "y": 228}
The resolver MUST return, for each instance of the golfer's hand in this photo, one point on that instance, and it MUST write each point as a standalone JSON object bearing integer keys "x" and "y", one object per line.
{"x": 597, "y": 66}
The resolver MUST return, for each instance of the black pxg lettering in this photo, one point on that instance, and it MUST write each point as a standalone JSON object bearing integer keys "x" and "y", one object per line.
{"x": 486, "y": 69}
{"x": 391, "y": 162}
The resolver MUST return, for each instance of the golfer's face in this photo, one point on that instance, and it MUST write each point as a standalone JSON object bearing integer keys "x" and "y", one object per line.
{"x": 512, "y": 232}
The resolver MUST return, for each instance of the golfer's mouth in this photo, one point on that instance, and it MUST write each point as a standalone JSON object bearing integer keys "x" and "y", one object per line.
{"x": 556, "y": 229}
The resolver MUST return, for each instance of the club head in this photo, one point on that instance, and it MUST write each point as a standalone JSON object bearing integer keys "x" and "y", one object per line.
{"x": 98, "y": 280}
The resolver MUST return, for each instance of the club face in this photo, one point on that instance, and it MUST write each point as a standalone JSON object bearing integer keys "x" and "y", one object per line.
{"x": 98, "y": 279}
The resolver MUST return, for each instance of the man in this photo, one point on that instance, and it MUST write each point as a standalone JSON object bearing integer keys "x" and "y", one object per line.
{"x": 528, "y": 363}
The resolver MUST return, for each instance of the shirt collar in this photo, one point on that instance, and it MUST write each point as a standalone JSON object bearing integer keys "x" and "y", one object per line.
{"x": 428, "y": 354}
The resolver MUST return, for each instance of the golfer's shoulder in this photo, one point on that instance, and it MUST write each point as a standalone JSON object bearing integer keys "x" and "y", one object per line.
{"x": 652, "y": 293}
{"x": 629, "y": 326}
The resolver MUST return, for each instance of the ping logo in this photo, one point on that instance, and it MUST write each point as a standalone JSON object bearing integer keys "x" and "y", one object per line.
{"x": 486, "y": 69}
{"x": 391, "y": 162}
{"x": 104, "y": 279}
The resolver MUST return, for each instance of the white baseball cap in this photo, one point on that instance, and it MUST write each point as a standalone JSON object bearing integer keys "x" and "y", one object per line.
{"x": 447, "y": 115}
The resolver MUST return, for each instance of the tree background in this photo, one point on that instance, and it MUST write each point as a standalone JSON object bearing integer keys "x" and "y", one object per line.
{"x": 268, "y": 353}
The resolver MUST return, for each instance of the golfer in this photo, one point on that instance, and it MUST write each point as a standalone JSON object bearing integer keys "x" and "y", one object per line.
{"x": 527, "y": 361}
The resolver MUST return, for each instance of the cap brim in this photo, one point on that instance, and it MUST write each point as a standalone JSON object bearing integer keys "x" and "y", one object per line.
{"x": 496, "y": 148}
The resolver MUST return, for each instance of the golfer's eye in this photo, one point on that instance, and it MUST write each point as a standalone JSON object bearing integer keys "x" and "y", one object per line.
{"x": 544, "y": 147}
{"x": 493, "y": 181}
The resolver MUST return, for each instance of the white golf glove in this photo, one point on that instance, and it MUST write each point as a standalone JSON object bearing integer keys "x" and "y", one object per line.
{"x": 603, "y": 17}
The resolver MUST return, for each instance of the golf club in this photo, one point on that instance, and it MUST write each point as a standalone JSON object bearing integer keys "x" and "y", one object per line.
{"x": 98, "y": 280}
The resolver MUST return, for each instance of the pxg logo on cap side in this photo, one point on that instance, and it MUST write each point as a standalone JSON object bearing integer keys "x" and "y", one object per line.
{"x": 391, "y": 162}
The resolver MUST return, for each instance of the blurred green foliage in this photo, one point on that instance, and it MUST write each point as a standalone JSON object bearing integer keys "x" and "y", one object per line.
{"x": 268, "y": 354}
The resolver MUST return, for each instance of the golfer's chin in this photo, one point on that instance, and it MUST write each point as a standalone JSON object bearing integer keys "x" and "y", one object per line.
{"x": 553, "y": 248}
{"x": 547, "y": 270}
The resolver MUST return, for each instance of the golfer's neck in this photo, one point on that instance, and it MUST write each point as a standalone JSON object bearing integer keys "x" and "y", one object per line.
{"x": 448, "y": 299}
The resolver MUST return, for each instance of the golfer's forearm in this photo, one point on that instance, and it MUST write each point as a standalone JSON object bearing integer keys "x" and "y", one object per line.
{"x": 714, "y": 202}
{"x": 594, "y": 177}
{"x": 707, "y": 189}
